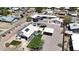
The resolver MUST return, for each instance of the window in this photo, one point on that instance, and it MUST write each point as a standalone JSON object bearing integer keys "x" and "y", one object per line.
{"x": 27, "y": 30}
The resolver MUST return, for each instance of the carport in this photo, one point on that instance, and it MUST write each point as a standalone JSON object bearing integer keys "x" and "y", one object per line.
{"x": 48, "y": 31}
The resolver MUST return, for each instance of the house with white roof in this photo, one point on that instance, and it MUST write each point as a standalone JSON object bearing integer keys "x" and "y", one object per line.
{"x": 28, "y": 32}
{"x": 49, "y": 11}
{"x": 10, "y": 18}
{"x": 75, "y": 42}
{"x": 48, "y": 16}
{"x": 72, "y": 13}
{"x": 37, "y": 17}
{"x": 74, "y": 27}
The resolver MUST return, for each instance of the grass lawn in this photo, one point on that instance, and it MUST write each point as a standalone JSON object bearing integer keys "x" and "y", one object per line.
{"x": 36, "y": 42}
{"x": 15, "y": 43}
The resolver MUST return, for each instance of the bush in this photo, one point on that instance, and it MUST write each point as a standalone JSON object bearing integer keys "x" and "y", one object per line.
{"x": 67, "y": 20}
{"x": 15, "y": 43}
{"x": 4, "y": 11}
{"x": 39, "y": 32}
{"x": 39, "y": 9}
{"x": 7, "y": 44}
{"x": 60, "y": 45}
{"x": 28, "y": 19}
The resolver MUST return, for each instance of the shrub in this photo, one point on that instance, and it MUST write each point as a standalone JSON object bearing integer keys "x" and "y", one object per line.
{"x": 28, "y": 19}
{"x": 7, "y": 44}
{"x": 15, "y": 43}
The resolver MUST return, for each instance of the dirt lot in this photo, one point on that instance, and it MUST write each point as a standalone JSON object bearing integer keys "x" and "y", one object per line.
{"x": 4, "y": 25}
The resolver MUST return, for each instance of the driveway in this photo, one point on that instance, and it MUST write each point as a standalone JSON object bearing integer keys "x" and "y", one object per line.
{"x": 51, "y": 42}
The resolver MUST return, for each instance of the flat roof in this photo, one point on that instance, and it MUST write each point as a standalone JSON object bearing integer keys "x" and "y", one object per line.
{"x": 15, "y": 8}
{"x": 58, "y": 19}
{"x": 49, "y": 11}
{"x": 75, "y": 14}
{"x": 49, "y": 30}
{"x": 74, "y": 26}
{"x": 75, "y": 41}
{"x": 31, "y": 30}
{"x": 34, "y": 16}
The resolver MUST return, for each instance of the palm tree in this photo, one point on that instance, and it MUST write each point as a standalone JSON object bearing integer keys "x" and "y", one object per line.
{"x": 67, "y": 20}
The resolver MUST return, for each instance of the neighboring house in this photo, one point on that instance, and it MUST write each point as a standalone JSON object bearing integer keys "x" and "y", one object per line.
{"x": 72, "y": 13}
{"x": 9, "y": 18}
{"x": 73, "y": 27}
{"x": 37, "y": 17}
{"x": 61, "y": 14}
{"x": 57, "y": 20}
{"x": 15, "y": 8}
{"x": 48, "y": 11}
{"x": 74, "y": 42}
{"x": 48, "y": 16}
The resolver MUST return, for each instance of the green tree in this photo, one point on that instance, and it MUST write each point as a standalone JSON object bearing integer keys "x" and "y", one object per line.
{"x": 28, "y": 19}
{"x": 62, "y": 8}
{"x": 67, "y": 20}
{"x": 39, "y": 9}
{"x": 73, "y": 8}
{"x": 78, "y": 12}
{"x": 7, "y": 44}
{"x": 4, "y": 11}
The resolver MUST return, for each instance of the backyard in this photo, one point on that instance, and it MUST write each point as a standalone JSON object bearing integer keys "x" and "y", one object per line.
{"x": 36, "y": 43}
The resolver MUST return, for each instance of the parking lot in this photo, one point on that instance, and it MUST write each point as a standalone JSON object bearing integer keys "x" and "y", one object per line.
{"x": 51, "y": 42}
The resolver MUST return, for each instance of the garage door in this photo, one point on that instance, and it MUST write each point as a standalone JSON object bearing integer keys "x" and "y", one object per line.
{"x": 24, "y": 37}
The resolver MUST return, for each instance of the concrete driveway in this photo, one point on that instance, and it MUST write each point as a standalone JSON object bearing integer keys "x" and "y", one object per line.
{"x": 51, "y": 42}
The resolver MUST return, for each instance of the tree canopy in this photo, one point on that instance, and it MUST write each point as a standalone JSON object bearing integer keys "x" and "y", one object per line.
{"x": 67, "y": 19}
{"x": 4, "y": 11}
{"x": 39, "y": 9}
{"x": 62, "y": 8}
{"x": 15, "y": 43}
{"x": 28, "y": 19}
{"x": 73, "y": 8}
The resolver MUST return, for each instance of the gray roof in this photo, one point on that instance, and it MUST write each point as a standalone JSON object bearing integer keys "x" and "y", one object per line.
{"x": 8, "y": 18}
